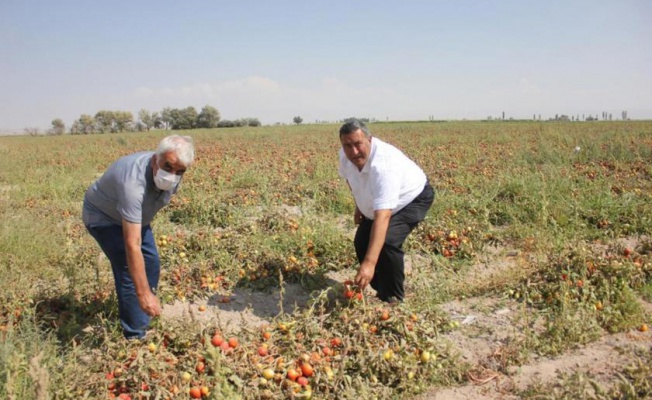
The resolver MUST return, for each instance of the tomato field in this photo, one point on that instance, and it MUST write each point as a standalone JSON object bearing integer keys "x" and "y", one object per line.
{"x": 550, "y": 221}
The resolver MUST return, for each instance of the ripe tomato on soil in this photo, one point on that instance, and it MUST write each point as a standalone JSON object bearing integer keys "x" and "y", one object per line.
{"x": 217, "y": 340}
{"x": 200, "y": 368}
{"x": 292, "y": 374}
{"x": 307, "y": 369}
{"x": 302, "y": 381}
{"x": 195, "y": 393}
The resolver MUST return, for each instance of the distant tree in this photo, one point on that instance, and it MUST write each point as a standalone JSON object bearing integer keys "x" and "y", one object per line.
{"x": 140, "y": 126}
{"x": 146, "y": 118}
{"x": 75, "y": 129}
{"x": 209, "y": 117}
{"x": 31, "y": 131}
{"x": 225, "y": 123}
{"x": 58, "y": 127}
{"x": 361, "y": 119}
{"x": 624, "y": 115}
{"x": 183, "y": 118}
{"x": 253, "y": 122}
{"x": 297, "y": 120}
{"x": 157, "y": 123}
{"x": 104, "y": 121}
{"x": 86, "y": 124}
{"x": 166, "y": 117}
{"x": 124, "y": 121}
{"x": 503, "y": 115}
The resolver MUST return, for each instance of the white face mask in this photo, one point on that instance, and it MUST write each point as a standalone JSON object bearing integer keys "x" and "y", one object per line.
{"x": 165, "y": 180}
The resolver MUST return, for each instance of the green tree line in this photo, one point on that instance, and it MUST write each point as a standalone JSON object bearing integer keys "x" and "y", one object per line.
{"x": 106, "y": 121}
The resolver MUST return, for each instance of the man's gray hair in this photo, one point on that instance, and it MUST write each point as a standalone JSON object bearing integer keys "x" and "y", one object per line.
{"x": 353, "y": 125}
{"x": 182, "y": 145}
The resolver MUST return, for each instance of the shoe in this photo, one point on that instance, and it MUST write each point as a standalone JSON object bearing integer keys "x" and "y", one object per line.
{"x": 392, "y": 300}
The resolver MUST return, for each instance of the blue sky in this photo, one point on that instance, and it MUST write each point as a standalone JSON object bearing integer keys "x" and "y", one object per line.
{"x": 324, "y": 60}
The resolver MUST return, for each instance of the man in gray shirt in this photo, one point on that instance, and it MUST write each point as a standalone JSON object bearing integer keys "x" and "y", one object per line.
{"x": 118, "y": 210}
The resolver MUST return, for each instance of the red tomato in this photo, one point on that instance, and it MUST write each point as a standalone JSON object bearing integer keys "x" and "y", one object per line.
{"x": 217, "y": 340}
{"x": 200, "y": 367}
{"x": 302, "y": 381}
{"x": 307, "y": 370}
{"x": 292, "y": 374}
{"x": 195, "y": 393}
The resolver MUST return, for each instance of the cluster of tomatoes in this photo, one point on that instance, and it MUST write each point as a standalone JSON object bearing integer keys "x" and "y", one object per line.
{"x": 352, "y": 291}
{"x": 451, "y": 243}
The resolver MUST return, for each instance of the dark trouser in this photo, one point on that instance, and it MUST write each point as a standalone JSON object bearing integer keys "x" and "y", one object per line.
{"x": 390, "y": 270}
{"x": 133, "y": 319}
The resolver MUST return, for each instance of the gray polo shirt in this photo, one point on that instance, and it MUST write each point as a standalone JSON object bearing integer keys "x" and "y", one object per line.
{"x": 126, "y": 190}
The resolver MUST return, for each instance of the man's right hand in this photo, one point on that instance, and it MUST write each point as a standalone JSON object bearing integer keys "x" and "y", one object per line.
{"x": 357, "y": 217}
{"x": 150, "y": 304}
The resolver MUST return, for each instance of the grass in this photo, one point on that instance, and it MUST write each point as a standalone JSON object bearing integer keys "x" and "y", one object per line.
{"x": 264, "y": 207}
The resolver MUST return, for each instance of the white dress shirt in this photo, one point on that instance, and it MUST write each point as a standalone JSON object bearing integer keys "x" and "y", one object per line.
{"x": 388, "y": 181}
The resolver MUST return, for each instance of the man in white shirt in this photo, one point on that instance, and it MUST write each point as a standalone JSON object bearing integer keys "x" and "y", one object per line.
{"x": 392, "y": 195}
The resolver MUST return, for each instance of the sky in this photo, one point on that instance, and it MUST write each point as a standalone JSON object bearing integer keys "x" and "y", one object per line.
{"x": 325, "y": 60}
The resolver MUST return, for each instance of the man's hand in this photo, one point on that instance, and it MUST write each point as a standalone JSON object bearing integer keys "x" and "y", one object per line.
{"x": 150, "y": 304}
{"x": 365, "y": 274}
{"x": 357, "y": 217}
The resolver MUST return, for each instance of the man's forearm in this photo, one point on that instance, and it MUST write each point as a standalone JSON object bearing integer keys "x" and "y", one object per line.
{"x": 136, "y": 265}
{"x": 377, "y": 237}
{"x": 376, "y": 242}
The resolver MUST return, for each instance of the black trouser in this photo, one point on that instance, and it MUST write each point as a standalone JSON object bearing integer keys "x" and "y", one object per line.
{"x": 390, "y": 270}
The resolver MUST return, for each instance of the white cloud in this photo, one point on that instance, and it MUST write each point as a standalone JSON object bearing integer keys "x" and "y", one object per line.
{"x": 526, "y": 87}
{"x": 267, "y": 99}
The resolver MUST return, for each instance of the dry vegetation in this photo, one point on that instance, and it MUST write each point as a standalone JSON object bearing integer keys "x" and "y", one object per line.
{"x": 532, "y": 251}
